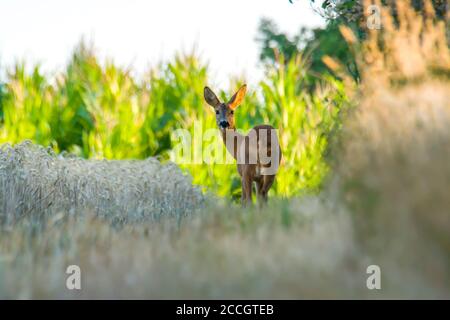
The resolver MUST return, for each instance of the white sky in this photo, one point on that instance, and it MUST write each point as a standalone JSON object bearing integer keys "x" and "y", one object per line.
{"x": 140, "y": 33}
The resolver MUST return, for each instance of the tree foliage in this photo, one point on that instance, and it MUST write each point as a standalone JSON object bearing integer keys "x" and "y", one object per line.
{"x": 319, "y": 42}
{"x": 352, "y": 10}
{"x": 314, "y": 44}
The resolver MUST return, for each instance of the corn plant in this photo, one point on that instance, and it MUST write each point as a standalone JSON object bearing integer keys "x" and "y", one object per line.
{"x": 304, "y": 121}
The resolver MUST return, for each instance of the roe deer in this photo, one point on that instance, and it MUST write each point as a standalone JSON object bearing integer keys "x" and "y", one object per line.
{"x": 258, "y": 154}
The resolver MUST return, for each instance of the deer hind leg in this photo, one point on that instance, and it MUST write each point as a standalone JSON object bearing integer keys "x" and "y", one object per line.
{"x": 247, "y": 180}
{"x": 267, "y": 182}
{"x": 259, "y": 186}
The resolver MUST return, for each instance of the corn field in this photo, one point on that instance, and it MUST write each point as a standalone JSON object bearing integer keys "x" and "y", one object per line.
{"x": 102, "y": 112}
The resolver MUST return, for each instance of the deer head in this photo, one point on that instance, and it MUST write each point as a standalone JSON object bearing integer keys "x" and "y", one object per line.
{"x": 225, "y": 111}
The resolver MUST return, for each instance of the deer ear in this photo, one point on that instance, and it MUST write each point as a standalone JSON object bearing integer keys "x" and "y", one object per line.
{"x": 238, "y": 97}
{"x": 211, "y": 97}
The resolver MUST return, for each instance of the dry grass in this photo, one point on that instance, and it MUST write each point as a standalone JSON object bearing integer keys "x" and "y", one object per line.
{"x": 220, "y": 253}
{"x": 396, "y": 174}
{"x": 294, "y": 250}
{"x": 394, "y": 162}
{"x": 409, "y": 48}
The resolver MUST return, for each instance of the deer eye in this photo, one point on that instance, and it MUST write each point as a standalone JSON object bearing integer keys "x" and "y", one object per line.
{"x": 231, "y": 112}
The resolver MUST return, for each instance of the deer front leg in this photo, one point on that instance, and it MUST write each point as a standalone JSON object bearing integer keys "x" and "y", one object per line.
{"x": 246, "y": 189}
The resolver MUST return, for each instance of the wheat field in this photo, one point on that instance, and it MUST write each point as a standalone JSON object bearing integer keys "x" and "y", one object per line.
{"x": 37, "y": 184}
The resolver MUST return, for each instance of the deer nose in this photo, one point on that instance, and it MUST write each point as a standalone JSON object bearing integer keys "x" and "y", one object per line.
{"x": 224, "y": 124}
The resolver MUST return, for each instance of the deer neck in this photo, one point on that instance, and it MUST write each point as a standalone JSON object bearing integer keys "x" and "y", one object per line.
{"x": 232, "y": 139}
